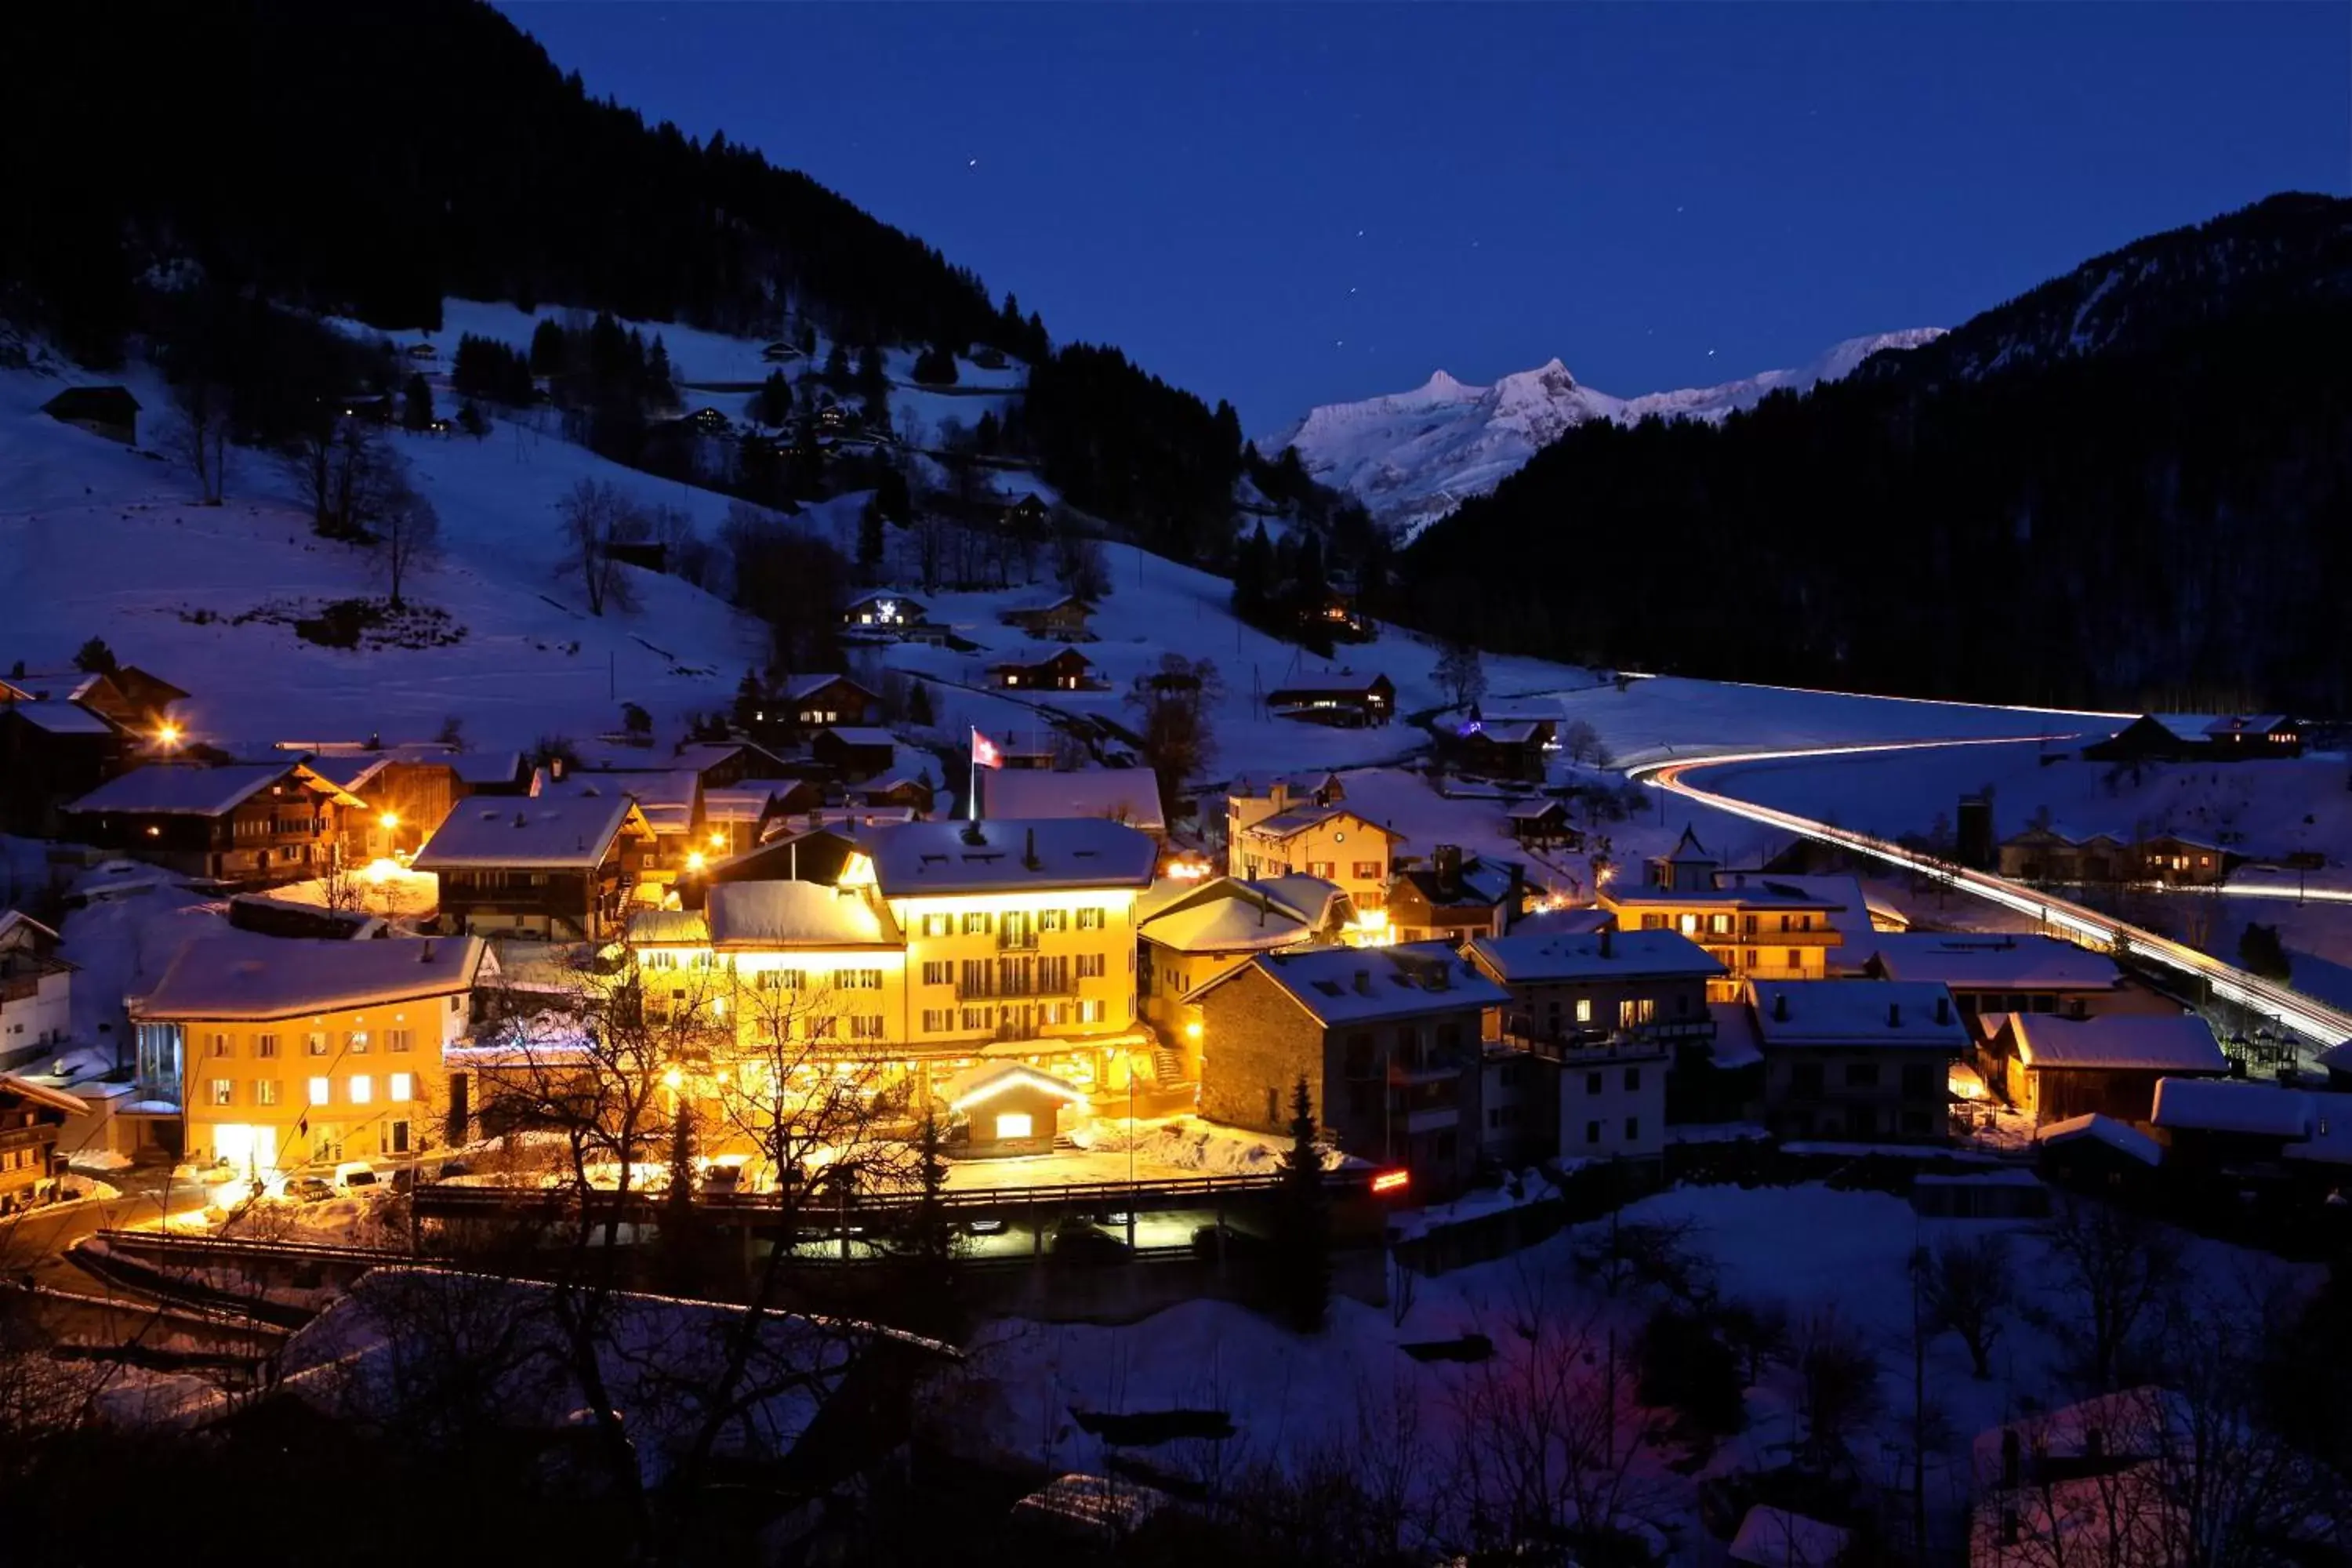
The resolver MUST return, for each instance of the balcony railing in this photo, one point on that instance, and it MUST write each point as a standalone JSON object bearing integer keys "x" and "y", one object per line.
{"x": 1582, "y": 1042}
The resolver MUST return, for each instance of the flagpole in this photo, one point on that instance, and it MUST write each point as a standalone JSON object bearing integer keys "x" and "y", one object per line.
{"x": 972, "y": 770}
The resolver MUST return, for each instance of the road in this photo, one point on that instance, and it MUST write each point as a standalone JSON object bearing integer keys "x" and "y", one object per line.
{"x": 2318, "y": 1025}
{"x": 36, "y": 1242}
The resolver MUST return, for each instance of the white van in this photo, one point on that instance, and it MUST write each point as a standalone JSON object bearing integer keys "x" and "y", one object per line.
{"x": 356, "y": 1177}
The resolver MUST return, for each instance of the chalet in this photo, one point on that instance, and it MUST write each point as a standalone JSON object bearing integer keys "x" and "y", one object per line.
{"x": 138, "y": 702}
{"x": 1991, "y": 974}
{"x": 801, "y": 705}
{"x": 670, "y": 800}
{"x": 1000, "y": 1110}
{"x": 559, "y": 867}
{"x": 710, "y": 422}
{"x": 1757, "y": 926}
{"x": 735, "y": 821}
{"x": 2207, "y": 1123}
{"x": 1328, "y": 841}
{"x": 2060, "y": 1068}
{"x": 2048, "y": 852}
{"x": 1334, "y": 615}
{"x": 1117, "y": 794}
{"x": 780, "y": 352}
{"x": 1542, "y": 824}
{"x": 1063, "y": 618}
{"x": 251, "y": 822}
{"x": 403, "y": 795}
{"x": 51, "y": 753}
{"x": 887, "y": 616}
{"x": 32, "y": 1115}
{"x": 285, "y": 1052}
{"x": 1043, "y": 668}
{"x": 850, "y": 751}
{"x": 108, "y": 411}
{"x": 2108, "y": 1480}
{"x": 1453, "y": 898}
{"x": 2177, "y": 859}
{"x": 36, "y": 990}
{"x": 2239, "y": 736}
{"x": 2092, "y": 1153}
{"x": 1387, "y": 1039}
{"x": 910, "y": 792}
{"x": 1251, "y": 798}
{"x": 725, "y": 764}
{"x": 1504, "y": 746}
{"x": 812, "y": 854}
{"x": 1341, "y": 697}
{"x": 1865, "y": 1060}
{"x": 2146, "y": 739}
{"x": 1193, "y": 932}
{"x": 1028, "y": 751}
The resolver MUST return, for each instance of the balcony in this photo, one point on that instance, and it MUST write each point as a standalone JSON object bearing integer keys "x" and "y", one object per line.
{"x": 1578, "y": 1043}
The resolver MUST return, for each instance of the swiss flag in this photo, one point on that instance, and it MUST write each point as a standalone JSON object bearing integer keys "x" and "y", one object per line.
{"x": 984, "y": 753}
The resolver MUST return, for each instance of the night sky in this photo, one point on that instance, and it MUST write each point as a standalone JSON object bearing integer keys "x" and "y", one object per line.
{"x": 1296, "y": 205}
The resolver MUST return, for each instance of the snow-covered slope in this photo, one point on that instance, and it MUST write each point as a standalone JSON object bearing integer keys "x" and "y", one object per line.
{"x": 1412, "y": 456}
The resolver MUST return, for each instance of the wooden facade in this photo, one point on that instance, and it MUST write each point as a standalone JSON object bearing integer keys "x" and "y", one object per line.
{"x": 265, "y": 825}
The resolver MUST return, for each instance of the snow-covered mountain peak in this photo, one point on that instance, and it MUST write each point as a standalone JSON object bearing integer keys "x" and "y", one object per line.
{"x": 1413, "y": 456}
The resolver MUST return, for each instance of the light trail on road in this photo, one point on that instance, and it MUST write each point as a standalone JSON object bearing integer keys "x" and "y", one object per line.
{"x": 2320, "y": 1025}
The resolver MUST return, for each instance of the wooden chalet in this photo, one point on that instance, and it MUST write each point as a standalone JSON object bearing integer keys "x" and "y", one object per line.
{"x": 1067, "y": 618}
{"x": 801, "y": 705}
{"x": 883, "y": 616}
{"x": 1542, "y": 824}
{"x": 850, "y": 752}
{"x": 108, "y": 411}
{"x": 1341, "y": 697}
{"x": 32, "y": 1116}
{"x": 1504, "y": 746}
{"x": 554, "y": 867}
{"x": 2240, "y": 735}
{"x": 910, "y": 790}
{"x": 1046, "y": 670}
{"x": 52, "y": 753}
{"x": 251, "y": 824}
{"x": 730, "y": 764}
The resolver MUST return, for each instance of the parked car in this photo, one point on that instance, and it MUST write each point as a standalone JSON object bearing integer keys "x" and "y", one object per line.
{"x": 310, "y": 1189}
{"x": 357, "y": 1176}
{"x": 1079, "y": 1240}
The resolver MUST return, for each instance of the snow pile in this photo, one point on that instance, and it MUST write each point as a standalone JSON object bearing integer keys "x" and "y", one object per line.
{"x": 1188, "y": 1143}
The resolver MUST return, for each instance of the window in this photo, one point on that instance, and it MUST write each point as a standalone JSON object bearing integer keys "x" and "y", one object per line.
{"x": 1918, "y": 1080}
{"x": 1368, "y": 870}
{"x": 1635, "y": 1010}
{"x": 400, "y": 1087}
{"x": 1719, "y": 925}
{"x": 395, "y": 1139}
{"x": 938, "y": 971}
{"x": 1632, "y": 1128}
{"x": 938, "y": 1020}
{"x": 1592, "y": 1083}
{"x": 1053, "y": 920}
{"x": 979, "y": 977}
{"x": 865, "y": 1027}
{"x": 265, "y": 1047}
{"x": 398, "y": 1039}
{"x": 1592, "y": 1133}
{"x": 1654, "y": 922}
{"x": 1632, "y": 1081}
{"x": 356, "y": 1042}
{"x": 1091, "y": 966}
{"x": 1323, "y": 868}
{"x": 224, "y": 1091}
{"x": 1750, "y": 963}
{"x": 1014, "y": 1124}
{"x": 265, "y": 1092}
{"x": 1053, "y": 974}
{"x": 1584, "y": 1009}
{"x": 1689, "y": 925}
{"x": 1796, "y": 958}
{"x": 321, "y": 1090}
{"x": 659, "y": 959}
{"x": 363, "y": 1088}
{"x": 316, "y": 1042}
{"x": 1091, "y": 917}
{"x": 938, "y": 925}
{"x": 826, "y": 1028}
{"x": 858, "y": 980}
{"x": 217, "y": 1046}
{"x": 1747, "y": 925}
{"x": 1861, "y": 1075}
{"x": 976, "y": 924}
{"x": 1804, "y": 923}
{"x": 1787, "y": 923}
{"x": 976, "y": 1018}
{"x": 1805, "y": 1077}
{"x": 1093, "y": 1012}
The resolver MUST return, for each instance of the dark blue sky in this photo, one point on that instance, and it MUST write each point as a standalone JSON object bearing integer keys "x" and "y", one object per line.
{"x": 1294, "y": 205}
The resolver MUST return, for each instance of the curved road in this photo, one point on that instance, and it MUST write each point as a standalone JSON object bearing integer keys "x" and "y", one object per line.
{"x": 2320, "y": 1026}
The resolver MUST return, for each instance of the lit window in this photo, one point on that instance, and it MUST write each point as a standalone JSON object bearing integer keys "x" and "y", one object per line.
{"x": 397, "y": 1039}
{"x": 356, "y": 1042}
{"x": 402, "y": 1089}
{"x": 1584, "y": 1009}
{"x": 1014, "y": 1124}
{"x": 224, "y": 1091}
{"x": 363, "y": 1088}
{"x": 321, "y": 1090}
{"x": 265, "y": 1092}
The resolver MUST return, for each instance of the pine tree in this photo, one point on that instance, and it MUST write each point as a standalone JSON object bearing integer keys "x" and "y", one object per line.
{"x": 548, "y": 347}
{"x": 750, "y": 700}
{"x": 681, "y": 1227}
{"x": 417, "y": 405}
{"x": 918, "y": 706}
{"x": 873, "y": 380}
{"x": 661, "y": 385}
{"x": 471, "y": 420}
{"x": 94, "y": 657}
{"x": 1252, "y": 574}
{"x": 837, "y": 368}
{"x": 1303, "y": 1227}
{"x": 927, "y": 1247}
{"x": 869, "y": 541}
{"x": 774, "y": 404}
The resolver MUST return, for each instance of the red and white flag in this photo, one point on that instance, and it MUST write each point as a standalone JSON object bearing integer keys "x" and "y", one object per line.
{"x": 984, "y": 753}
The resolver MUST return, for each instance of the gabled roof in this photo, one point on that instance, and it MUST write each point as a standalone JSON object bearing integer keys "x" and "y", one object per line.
{"x": 1299, "y": 819}
{"x": 182, "y": 789}
{"x": 878, "y": 595}
{"x": 533, "y": 833}
{"x": 1894, "y": 1013}
{"x": 112, "y": 404}
{"x": 1120, "y": 795}
{"x": 925, "y": 858}
{"x": 2259, "y": 1110}
{"x": 2256, "y": 724}
{"x": 61, "y": 718}
{"x": 1536, "y": 810}
{"x": 667, "y": 797}
{"x": 1227, "y": 914}
{"x": 1611, "y": 955}
{"x": 859, "y": 735}
{"x": 783, "y": 914}
{"x": 2181, "y": 1043}
{"x": 1338, "y": 985}
{"x": 42, "y": 1095}
{"x": 1035, "y": 656}
{"x": 794, "y": 687}
{"x": 1332, "y": 683}
{"x": 1966, "y": 962}
{"x": 1689, "y": 851}
{"x": 238, "y": 976}
{"x": 2096, "y": 1128}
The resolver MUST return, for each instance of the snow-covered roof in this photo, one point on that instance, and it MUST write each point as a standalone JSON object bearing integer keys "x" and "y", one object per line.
{"x": 1030, "y": 656}
{"x": 792, "y": 688}
{"x": 1970, "y": 963}
{"x": 1743, "y": 888}
{"x": 1330, "y": 683}
{"x": 1566, "y": 922}
{"x": 668, "y": 928}
{"x": 1259, "y": 787}
{"x": 744, "y": 802}
{"x": 667, "y": 795}
{"x": 2181, "y": 1043}
{"x": 1534, "y": 810}
{"x": 1597, "y": 956}
{"x": 1689, "y": 851}
{"x": 1299, "y": 819}
{"x": 862, "y": 735}
{"x": 1774, "y": 1538}
{"x": 537, "y": 833}
{"x": 1357, "y": 984}
{"x": 917, "y": 859}
{"x": 984, "y": 1080}
{"x": 1120, "y": 795}
{"x": 2210, "y": 1105}
{"x": 238, "y": 976}
{"x": 2096, "y": 1128}
{"x": 1505, "y": 731}
{"x": 1737, "y": 1042}
{"x": 348, "y": 770}
{"x": 42, "y": 1094}
{"x": 779, "y": 914}
{"x": 1235, "y": 924}
{"x": 62, "y": 718}
{"x": 2255, "y": 724}
{"x": 182, "y": 789}
{"x": 1897, "y": 1014}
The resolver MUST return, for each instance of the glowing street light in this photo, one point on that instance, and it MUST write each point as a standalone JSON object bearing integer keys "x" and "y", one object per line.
{"x": 168, "y": 734}
{"x": 693, "y": 860}
{"x": 388, "y": 821}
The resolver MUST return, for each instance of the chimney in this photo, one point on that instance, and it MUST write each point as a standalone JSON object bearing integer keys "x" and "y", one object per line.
{"x": 1943, "y": 1009}
{"x": 1894, "y": 1015}
{"x": 555, "y": 767}
{"x": 1780, "y": 1006}
{"x": 1029, "y": 849}
{"x": 519, "y": 821}
{"x": 974, "y": 835}
{"x": 1608, "y": 948}
{"x": 1363, "y": 983}
{"x": 1447, "y": 860}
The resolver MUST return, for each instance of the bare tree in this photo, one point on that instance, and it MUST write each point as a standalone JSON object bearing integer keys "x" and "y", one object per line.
{"x": 1461, "y": 673}
{"x": 1837, "y": 1390}
{"x": 1965, "y": 1287}
{"x": 595, "y": 517}
{"x": 2114, "y": 1271}
{"x": 196, "y": 433}
{"x": 1173, "y": 702}
{"x": 407, "y": 533}
{"x": 1580, "y": 740}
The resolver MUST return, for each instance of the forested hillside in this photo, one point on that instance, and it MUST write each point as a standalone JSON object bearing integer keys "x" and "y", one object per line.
{"x": 2128, "y": 487}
